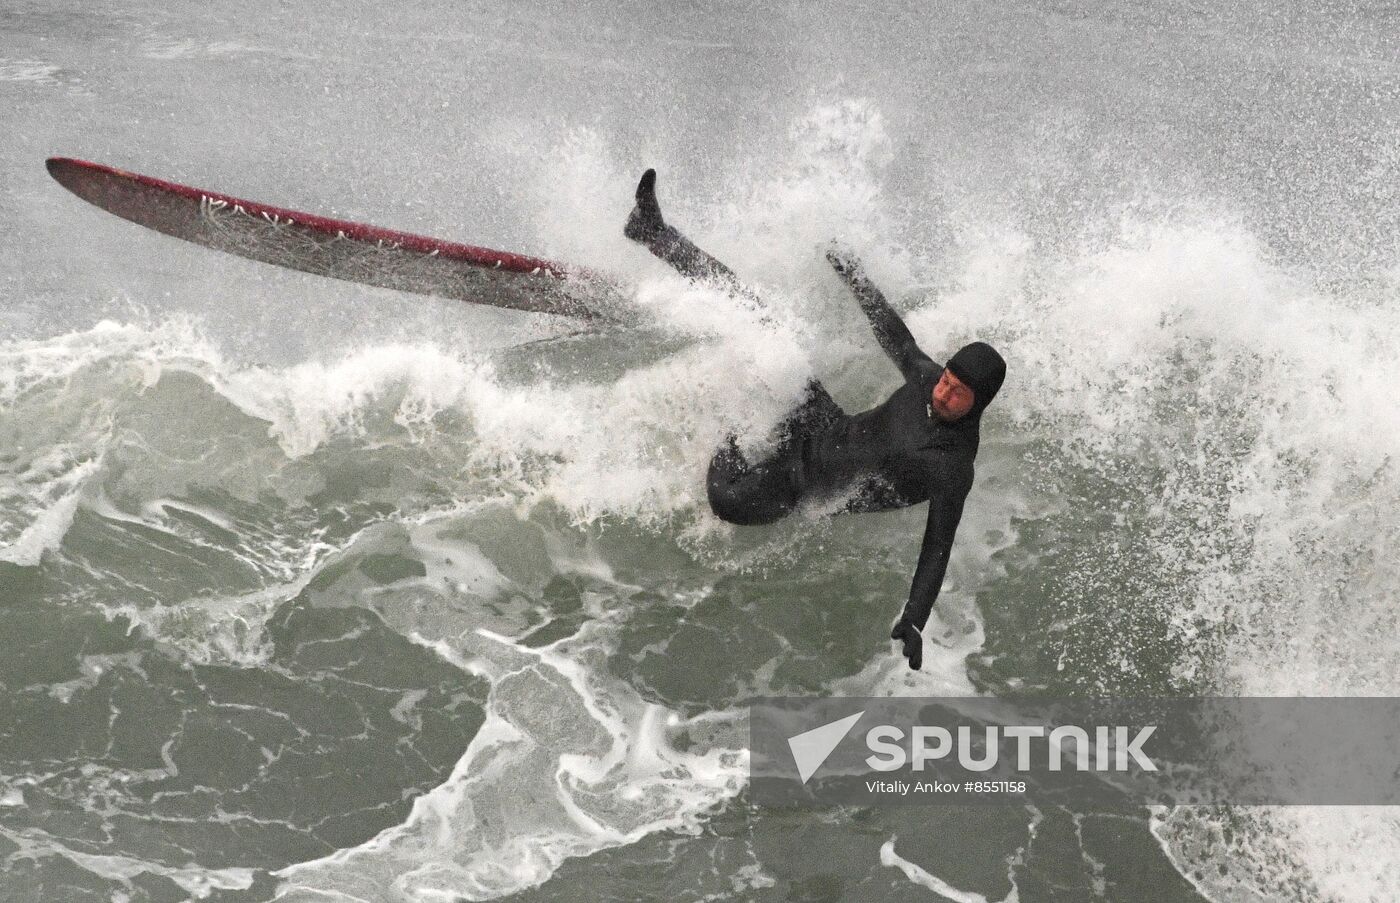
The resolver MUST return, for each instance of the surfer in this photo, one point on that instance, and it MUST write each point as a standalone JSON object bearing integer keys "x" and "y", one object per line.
{"x": 917, "y": 446}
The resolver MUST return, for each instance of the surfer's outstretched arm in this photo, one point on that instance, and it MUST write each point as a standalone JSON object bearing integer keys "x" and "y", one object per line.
{"x": 646, "y": 227}
{"x": 944, "y": 512}
{"x": 890, "y": 330}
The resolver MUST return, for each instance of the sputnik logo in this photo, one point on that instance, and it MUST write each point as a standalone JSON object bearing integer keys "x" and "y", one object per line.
{"x": 811, "y": 748}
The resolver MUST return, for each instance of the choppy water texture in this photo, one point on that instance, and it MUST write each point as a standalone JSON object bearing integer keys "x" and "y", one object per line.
{"x": 323, "y": 593}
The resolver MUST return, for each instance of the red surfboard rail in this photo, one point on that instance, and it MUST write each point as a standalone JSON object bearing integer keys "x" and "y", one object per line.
{"x": 341, "y": 249}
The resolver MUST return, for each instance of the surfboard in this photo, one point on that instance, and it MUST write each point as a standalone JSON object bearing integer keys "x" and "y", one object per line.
{"x": 356, "y": 252}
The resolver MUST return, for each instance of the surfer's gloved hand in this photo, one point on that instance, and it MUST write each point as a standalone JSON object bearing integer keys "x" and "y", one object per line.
{"x": 905, "y": 632}
{"x": 842, "y": 261}
{"x": 645, "y": 225}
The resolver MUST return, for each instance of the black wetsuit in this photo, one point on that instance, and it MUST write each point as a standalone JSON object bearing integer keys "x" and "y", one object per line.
{"x": 897, "y": 454}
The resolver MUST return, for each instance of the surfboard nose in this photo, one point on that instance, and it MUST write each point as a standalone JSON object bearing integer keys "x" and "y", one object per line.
{"x": 55, "y": 165}
{"x": 66, "y": 171}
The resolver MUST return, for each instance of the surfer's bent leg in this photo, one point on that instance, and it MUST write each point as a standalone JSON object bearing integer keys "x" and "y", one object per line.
{"x": 646, "y": 227}
{"x": 751, "y": 494}
{"x": 689, "y": 260}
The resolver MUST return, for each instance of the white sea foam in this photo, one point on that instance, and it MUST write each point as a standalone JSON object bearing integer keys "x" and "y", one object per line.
{"x": 568, "y": 762}
{"x": 41, "y": 73}
{"x": 919, "y": 875}
{"x": 228, "y": 630}
{"x": 52, "y": 507}
{"x": 1276, "y": 394}
{"x": 91, "y": 668}
{"x": 198, "y": 882}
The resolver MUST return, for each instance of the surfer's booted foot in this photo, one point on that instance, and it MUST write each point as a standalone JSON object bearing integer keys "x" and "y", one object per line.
{"x": 646, "y": 227}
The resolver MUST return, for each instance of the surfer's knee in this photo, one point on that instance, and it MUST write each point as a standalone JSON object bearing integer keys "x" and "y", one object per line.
{"x": 728, "y": 504}
{"x": 742, "y": 495}
{"x": 741, "y": 508}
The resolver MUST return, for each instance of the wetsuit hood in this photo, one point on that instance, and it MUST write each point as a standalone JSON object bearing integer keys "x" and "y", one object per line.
{"x": 983, "y": 369}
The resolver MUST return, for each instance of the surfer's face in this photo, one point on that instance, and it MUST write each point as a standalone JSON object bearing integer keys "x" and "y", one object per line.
{"x": 952, "y": 398}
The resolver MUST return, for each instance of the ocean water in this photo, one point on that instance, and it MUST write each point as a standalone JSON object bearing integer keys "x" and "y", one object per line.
{"x": 317, "y": 592}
